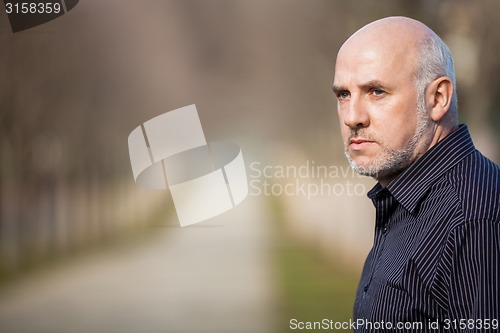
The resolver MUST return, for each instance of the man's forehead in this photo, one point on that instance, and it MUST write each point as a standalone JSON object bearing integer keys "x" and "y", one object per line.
{"x": 392, "y": 36}
{"x": 384, "y": 65}
{"x": 368, "y": 59}
{"x": 381, "y": 42}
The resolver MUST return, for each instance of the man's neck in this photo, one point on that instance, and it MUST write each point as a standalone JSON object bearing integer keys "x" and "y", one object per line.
{"x": 439, "y": 133}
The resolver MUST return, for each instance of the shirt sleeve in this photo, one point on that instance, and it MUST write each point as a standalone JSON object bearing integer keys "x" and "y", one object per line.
{"x": 470, "y": 271}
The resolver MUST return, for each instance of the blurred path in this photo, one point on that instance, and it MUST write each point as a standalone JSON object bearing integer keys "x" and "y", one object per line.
{"x": 210, "y": 277}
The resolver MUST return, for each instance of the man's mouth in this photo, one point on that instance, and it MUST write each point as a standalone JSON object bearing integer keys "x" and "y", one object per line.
{"x": 359, "y": 144}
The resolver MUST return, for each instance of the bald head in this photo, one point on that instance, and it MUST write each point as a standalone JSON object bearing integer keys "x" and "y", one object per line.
{"x": 411, "y": 43}
{"x": 395, "y": 84}
{"x": 396, "y": 33}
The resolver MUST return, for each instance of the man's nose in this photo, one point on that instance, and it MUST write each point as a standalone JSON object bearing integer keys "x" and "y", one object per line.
{"x": 356, "y": 115}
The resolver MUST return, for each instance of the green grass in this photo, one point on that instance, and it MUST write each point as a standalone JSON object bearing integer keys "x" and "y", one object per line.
{"x": 313, "y": 286}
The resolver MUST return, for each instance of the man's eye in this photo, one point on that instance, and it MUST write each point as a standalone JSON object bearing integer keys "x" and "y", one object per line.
{"x": 343, "y": 95}
{"x": 378, "y": 92}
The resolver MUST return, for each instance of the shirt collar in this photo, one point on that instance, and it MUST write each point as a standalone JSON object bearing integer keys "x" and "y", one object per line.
{"x": 409, "y": 187}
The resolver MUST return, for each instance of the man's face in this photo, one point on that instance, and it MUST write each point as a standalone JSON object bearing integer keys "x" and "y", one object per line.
{"x": 380, "y": 116}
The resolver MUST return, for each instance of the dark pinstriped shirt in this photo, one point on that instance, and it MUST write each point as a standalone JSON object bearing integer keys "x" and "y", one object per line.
{"x": 436, "y": 253}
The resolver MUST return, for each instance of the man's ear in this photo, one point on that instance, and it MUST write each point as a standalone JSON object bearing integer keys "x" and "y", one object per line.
{"x": 439, "y": 96}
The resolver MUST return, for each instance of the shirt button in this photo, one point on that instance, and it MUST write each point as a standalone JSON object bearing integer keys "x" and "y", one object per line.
{"x": 365, "y": 289}
{"x": 384, "y": 230}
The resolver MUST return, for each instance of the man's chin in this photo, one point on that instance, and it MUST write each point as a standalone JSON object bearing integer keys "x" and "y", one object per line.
{"x": 364, "y": 168}
{"x": 371, "y": 167}
{"x": 361, "y": 162}
{"x": 363, "y": 171}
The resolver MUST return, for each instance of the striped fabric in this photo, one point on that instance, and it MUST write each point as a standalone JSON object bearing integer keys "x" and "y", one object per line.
{"x": 436, "y": 253}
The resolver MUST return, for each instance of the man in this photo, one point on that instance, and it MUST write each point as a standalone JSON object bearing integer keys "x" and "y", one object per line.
{"x": 435, "y": 262}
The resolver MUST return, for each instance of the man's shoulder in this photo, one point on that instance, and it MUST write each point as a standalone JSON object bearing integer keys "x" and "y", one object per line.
{"x": 476, "y": 182}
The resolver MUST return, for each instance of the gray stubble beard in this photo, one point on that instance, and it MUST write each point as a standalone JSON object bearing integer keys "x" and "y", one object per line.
{"x": 394, "y": 161}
